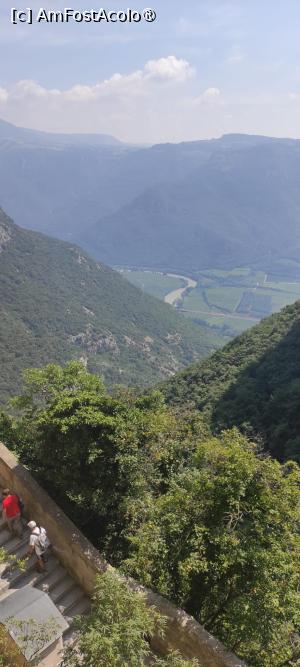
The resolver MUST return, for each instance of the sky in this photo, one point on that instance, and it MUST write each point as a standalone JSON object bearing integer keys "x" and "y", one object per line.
{"x": 202, "y": 69}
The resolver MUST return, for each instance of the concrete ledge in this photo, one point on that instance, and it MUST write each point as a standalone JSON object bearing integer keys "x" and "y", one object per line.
{"x": 83, "y": 562}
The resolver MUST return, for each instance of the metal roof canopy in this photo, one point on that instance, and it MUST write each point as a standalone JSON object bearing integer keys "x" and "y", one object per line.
{"x": 31, "y": 606}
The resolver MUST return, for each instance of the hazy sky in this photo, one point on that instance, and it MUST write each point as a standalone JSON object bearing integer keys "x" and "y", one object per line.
{"x": 204, "y": 68}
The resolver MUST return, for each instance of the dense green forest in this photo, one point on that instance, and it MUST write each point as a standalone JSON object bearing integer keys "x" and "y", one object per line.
{"x": 58, "y": 304}
{"x": 252, "y": 383}
{"x": 209, "y": 521}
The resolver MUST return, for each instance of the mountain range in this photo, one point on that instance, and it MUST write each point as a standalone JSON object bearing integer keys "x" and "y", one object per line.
{"x": 240, "y": 207}
{"x": 221, "y": 203}
{"x": 25, "y": 136}
{"x": 59, "y": 304}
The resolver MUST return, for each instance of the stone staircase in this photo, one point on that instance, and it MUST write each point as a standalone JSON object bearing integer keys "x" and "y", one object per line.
{"x": 67, "y": 595}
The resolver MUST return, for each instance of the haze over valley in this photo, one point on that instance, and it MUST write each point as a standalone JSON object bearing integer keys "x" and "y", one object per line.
{"x": 224, "y": 213}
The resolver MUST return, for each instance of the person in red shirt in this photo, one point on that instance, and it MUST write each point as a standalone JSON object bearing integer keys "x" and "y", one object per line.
{"x": 11, "y": 512}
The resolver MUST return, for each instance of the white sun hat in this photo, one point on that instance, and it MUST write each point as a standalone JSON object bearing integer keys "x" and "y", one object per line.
{"x": 31, "y": 525}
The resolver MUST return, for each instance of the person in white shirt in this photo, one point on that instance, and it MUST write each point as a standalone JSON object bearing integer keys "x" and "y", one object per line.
{"x": 38, "y": 544}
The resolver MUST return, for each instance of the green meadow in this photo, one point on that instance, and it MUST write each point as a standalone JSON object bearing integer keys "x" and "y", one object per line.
{"x": 154, "y": 283}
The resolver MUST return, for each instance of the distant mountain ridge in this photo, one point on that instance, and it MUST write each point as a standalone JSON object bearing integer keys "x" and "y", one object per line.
{"x": 12, "y": 132}
{"x": 56, "y": 303}
{"x": 240, "y": 207}
{"x": 183, "y": 207}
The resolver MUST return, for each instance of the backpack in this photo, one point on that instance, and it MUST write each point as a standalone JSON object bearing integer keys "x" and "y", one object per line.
{"x": 21, "y": 505}
{"x": 42, "y": 541}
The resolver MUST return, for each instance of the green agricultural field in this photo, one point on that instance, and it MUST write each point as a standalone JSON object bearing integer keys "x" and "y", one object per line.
{"x": 244, "y": 295}
{"x": 292, "y": 288}
{"x": 281, "y": 299}
{"x": 230, "y": 325}
{"x": 154, "y": 283}
{"x": 225, "y": 298}
{"x": 232, "y": 301}
{"x": 195, "y": 301}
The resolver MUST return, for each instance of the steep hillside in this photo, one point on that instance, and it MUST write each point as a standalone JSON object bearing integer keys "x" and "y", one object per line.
{"x": 241, "y": 206}
{"x": 57, "y": 304}
{"x": 252, "y": 383}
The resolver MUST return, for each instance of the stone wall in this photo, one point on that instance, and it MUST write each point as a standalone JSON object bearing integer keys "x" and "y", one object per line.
{"x": 83, "y": 562}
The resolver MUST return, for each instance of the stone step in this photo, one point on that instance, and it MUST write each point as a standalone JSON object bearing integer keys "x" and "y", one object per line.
{"x": 78, "y": 609}
{"x": 4, "y": 530}
{"x": 67, "y": 595}
{"x": 2, "y": 524}
{"x": 10, "y": 568}
{"x": 16, "y": 544}
{"x": 61, "y": 589}
{"x": 13, "y": 551}
{"x": 71, "y": 599}
{"x": 51, "y": 579}
{"x": 31, "y": 577}
{"x": 19, "y": 552}
{"x": 6, "y": 538}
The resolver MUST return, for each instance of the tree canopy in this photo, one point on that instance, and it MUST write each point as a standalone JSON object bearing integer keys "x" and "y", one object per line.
{"x": 209, "y": 521}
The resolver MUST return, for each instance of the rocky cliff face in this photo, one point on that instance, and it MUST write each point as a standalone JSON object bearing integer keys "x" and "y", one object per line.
{"x": 5, "y": 232}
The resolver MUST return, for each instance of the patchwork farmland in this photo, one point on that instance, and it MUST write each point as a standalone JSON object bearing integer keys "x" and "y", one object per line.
{"x": 232, "y": 301}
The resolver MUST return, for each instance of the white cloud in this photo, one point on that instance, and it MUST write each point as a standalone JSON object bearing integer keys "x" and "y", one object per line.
{"x": 211, "y": 94}
{"x": 132, "y": 106}
{"x": 3, "y": 95}
{"x": 29, "y": 89}
{"x": 171, "y": 68}
{"x": 156, "y": 103}
{"x": 137, "y": 83}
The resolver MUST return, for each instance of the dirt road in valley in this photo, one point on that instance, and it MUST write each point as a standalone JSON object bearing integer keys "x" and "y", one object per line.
{"x": 178, "y": 294}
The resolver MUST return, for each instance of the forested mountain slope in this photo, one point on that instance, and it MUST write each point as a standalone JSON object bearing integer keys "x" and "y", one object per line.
{"x": 58, "y": 304}
{"x": 252, "y": 383}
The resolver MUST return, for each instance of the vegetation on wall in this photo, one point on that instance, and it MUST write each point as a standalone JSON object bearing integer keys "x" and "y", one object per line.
{"x": 118, "y": 630}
